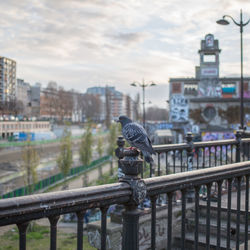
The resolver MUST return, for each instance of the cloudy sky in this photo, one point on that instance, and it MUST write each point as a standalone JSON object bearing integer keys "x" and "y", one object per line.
{"x": 85, "y": 43}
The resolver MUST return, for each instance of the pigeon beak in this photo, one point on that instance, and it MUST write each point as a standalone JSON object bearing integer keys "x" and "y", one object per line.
{"x": 117, "y": 120}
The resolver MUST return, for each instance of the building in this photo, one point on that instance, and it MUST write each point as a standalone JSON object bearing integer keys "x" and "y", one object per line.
{"x": 29, "y": 97}
{"x": 22, "y": 96}
{"x": 34, "y": 99}
{"x": 7, "y": 79}
{"x": 207, "y": 103}
{"x": 8, "y": 128}
{"x": 49, "y": 103}
{"x": 118, "y": 102}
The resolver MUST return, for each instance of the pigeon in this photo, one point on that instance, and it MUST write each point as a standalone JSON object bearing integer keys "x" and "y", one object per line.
{"x": 137, "y": 137}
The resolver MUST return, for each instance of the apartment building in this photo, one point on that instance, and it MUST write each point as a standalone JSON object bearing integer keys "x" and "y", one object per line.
{"x": 7, "y": 79}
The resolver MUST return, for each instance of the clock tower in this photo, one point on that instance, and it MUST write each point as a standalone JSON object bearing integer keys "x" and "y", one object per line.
{"x": 209, "y": 57}
{"x": 208, "y": 72}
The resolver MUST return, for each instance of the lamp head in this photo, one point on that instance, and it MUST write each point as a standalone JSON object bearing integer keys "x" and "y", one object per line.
{"x": 222, "y": 22}
{"x": 133, "y": 84}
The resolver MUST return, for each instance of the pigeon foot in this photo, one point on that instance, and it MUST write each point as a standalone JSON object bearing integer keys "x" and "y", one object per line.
{"x": 132, "y": 148}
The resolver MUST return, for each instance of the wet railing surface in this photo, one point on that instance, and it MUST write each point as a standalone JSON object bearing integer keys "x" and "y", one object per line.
{"x": 131, "y": 191}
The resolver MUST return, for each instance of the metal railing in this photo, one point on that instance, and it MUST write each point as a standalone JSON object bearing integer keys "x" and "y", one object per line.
{"x": 131, "y": 191}
{"x": 173, "y": 158}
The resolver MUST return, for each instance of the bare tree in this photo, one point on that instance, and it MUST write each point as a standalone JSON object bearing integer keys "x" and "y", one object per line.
{"x": 113, "y": 133}
{"x": 9, "y": 107}
{"x": 50, "y": 100}
{"x": 108, "y": 107}
{"x": 156, "y": 114}
{"x": 30, "y": 162}
{"x": 91, "y": 106}
{"x": 85, "y": 151}
{"x": 65, "y": 104}
{"x": 137, "y": 107}
{"x": 196, "y": 116}
{"x": 128, "y": 106}
{"x": 232, "y": 114}
{"x": 65, "y": 158}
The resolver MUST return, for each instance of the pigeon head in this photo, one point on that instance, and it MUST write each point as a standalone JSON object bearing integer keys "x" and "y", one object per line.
{"x": 124, "y": 120}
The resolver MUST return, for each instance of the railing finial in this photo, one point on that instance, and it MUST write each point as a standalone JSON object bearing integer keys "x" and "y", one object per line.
{"x": 131, "y": 166}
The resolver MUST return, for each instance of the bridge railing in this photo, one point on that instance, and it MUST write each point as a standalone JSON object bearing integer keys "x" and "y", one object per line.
{"x": 173, "y": 158}
{"x": 131, "y": 191}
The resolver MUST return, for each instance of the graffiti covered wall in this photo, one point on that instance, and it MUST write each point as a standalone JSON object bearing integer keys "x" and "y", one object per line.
{"x": 179, "y": 108}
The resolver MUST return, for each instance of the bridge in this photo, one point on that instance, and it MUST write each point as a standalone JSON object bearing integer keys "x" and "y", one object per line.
{"x": 207, "y": 181}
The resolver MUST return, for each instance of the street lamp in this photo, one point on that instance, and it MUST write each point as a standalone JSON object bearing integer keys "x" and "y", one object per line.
{"x": 143, "y": 85}
{"x": 223, "y": 21}
{"x": 167, "y": 101}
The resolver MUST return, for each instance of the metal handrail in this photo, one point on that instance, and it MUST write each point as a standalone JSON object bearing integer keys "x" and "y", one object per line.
{"x": 178, "y": 181}
{"x": 182, "y": 146}
{"x": 131, "y": 192}
{"x": 31, "y": 207}
{"x": 16, "y": 210}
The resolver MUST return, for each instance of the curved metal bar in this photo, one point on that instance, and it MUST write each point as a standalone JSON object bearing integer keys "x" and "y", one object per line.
{"x": 238, "y": 24}
{"x": 246, "y": 23}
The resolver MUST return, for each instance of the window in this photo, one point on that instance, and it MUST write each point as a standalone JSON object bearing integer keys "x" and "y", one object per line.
{"x": 176, "y": 87}
{"x": 209, "y": 58}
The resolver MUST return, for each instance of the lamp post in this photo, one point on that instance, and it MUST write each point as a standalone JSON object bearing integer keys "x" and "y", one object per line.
{"x": 167, "y": 101}
{"x": 224, "y": 21}
{"x": 143, "y": 85}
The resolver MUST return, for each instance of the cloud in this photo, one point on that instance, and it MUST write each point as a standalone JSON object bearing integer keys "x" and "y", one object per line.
{"x": 80, "y": 43}
{"x": 130, "y": 38}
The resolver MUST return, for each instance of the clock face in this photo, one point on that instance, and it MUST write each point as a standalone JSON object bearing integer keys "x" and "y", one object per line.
{"x": 209, "y": 41}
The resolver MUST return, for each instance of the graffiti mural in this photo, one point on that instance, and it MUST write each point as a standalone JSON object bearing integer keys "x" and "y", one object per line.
{"x": 179, "y": 108}
{"x": 214, "y": 136}
{"x": 210, "y": 91}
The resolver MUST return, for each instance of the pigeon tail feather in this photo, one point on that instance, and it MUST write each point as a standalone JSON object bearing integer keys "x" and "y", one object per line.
{"x": 147, "y": 156}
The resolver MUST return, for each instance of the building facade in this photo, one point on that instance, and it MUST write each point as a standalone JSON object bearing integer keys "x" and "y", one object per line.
{"x": 29, "y": 97}
{"x": 8, "y": 128}
{"x": 7, "y": 79}
{"x": 207, "y": 103}
{"x": 22, "y": 96}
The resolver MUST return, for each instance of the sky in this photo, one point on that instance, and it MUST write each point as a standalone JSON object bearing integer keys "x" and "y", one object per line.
{"x": 85, "y": 43}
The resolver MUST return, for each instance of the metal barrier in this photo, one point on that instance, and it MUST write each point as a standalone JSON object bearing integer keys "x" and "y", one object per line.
{"x": 51, "y": 180}
{"x": 196, "y": 155}
{"x": 131, "y": 191}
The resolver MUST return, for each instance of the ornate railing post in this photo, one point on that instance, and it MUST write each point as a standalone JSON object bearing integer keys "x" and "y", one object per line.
{"x": 131, "y": 166}
{"x": 190, "y": 154}
{"x": 119, "y": 154}
{"x": 238, "y": 145}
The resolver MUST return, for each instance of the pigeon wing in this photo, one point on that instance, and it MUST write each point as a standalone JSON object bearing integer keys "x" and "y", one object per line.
{"x": 136, "y": 136}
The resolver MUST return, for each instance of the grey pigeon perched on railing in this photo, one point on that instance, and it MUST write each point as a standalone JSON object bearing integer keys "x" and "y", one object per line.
{"x": 137, "y": 137}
